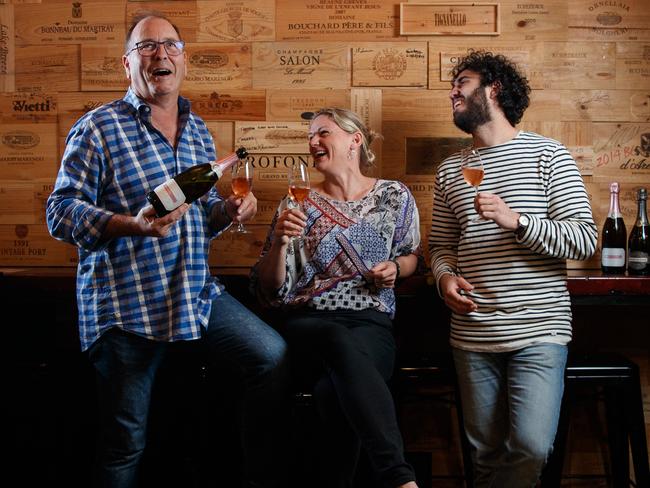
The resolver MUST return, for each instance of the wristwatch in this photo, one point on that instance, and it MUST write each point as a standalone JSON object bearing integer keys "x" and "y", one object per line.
{"x": 522, "y": 224}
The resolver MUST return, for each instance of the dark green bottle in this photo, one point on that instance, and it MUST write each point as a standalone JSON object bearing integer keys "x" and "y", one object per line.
{"x": 191, "y": 184}
{"x": 638, "y": 245}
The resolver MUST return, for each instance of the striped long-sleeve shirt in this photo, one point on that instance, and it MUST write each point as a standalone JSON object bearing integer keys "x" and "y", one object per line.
{"x": 519, "y": 283}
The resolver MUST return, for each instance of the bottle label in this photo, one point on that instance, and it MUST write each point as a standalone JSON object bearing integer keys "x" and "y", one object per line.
{"x": 170, "y": 194}
{"x": 613, "y": 257}
{"x": 638, "y": 260}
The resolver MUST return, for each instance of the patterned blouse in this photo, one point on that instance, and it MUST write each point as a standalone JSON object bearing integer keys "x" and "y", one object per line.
{"x": 327, "y": 268}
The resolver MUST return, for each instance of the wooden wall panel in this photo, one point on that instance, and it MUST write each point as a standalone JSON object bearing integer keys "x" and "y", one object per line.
{"x": 445, "y": 52}
{"x": 183, "y": 15}
{"x": 222, "y": 66}
{"x": 28, "y": 151}
{"x": 32, "y": 245}
{"x": 7, "y": 49}
{"x": 389, "y": 64}
{"x": 318, "y": 20}
{"x": 227, "y": 21}
{"x": 102, "y": 68}
{"x": 228, "y": 105}
{"x": 60, "y": 22}
{"x": 41, "y": 70}
{"x": 580, "y": 64}
{"x": 289, "y": 105}
{"x": 609, "y": 21}
{"x": 301, "y": 65}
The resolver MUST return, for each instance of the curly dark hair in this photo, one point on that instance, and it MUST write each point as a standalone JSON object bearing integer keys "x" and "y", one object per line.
{"x": 514, "y": 91}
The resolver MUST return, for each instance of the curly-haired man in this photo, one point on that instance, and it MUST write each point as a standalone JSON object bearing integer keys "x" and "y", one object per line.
{"x": 503, "y": 275}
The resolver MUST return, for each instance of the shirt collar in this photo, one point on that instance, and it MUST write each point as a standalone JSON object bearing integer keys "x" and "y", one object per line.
{"x": 144, "y": 110}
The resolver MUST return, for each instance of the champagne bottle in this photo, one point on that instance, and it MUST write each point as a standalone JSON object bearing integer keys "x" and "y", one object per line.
{"x": 638, "y": 246}
{"x": 191, "y": 184}
{"x": 614, "y": 237}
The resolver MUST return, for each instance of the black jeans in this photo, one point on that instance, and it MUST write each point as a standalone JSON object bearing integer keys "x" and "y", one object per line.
{"x": 348, "y": 356}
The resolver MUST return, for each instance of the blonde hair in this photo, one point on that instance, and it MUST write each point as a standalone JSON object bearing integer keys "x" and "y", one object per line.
{"x": 351, "y": 123}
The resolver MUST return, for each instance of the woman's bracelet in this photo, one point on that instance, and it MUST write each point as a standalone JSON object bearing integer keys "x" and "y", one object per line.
{"x": 396, "y": 267}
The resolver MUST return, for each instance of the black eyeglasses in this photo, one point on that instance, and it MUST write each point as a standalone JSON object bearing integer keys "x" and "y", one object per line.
{"x": 149, "y": 48}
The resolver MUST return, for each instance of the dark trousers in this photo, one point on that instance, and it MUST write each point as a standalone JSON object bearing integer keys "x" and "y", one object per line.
{"x": 348, "y": 356}
{"x": 127, "y": 365}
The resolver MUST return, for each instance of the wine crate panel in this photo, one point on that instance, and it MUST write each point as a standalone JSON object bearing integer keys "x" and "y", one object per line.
{"x": 7, "y": 49}
{"x": 417, "y": 148}
{"x": 603, "y": 105}
{"x": 448, "y": 19}
{"x": 609, "y": 20}
{"x": 632, "y": 73}
{"x": 390, "y": 64}
{"x": 444, "y": 54}
{"x": 622, "y": 152}
{"x": 289, "y": 105}
{"x": 301, "y": 65}
{"x": 422, "y": 189}
{"x": 183, "y": 15}
{"x": 71, "y": 106}
{"x": 23, "y": 202}
{"x": 416, "y": 105}
{"x": 579, "y": 64}
{"x": 27, "y": 151}
{"x": 318, "y": 20}
{"x": 223, "y": 136}
{"x": 640, "y": 107}
{"x": 272, "y": 137}
{"x": 270, "y": 176}
{"x": 218, "y": 67}
{"x": 32, "y": 245}
{"x": 544, "y": 20}
{"x": 225, "y": 21}
{"x": 366, "y": 102}
{"x": 544, "y": 105}
{"x": 28, "y": 108}
{"x": 52, "y": 23}
{"x": 229, "y": 105}
{"x": 47, "y": 70}
{"x": 102, "y": 68}
{"x": 238, "y": 250}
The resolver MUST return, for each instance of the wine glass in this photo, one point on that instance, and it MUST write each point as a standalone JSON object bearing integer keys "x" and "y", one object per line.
{"x": 473, "y": 171}
{"x": 241, "y": 184}
{"x": 298, "y": 181}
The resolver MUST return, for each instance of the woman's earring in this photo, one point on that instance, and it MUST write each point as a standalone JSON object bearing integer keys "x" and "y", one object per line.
{"x": 351, "y": 154}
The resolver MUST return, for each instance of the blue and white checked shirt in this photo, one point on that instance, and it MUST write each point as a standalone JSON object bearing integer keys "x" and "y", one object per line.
{"x": 159, "y": 288}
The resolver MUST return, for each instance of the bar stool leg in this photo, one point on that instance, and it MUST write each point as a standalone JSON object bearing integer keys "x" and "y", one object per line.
{"x": 636, "y": 429}
{"x": 617, "y": 438}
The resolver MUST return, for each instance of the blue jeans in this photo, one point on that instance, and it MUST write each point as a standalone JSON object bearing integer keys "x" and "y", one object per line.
{"x": 511, "y": 406}
{"x": 127, "y": 364}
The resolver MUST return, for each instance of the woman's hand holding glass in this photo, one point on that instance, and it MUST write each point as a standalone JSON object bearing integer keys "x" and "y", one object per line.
{"x": 291, "y": 224}
{"x": 299, "y": 187}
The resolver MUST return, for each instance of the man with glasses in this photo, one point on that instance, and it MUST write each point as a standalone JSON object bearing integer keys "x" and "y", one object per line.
{"x": 143, "y": 282}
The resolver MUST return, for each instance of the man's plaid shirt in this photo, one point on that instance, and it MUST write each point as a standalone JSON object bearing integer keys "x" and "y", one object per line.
{"x": 159, "y": 288}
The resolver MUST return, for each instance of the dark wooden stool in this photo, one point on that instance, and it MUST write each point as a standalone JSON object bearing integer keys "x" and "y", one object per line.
{"x": 618, "y": 379}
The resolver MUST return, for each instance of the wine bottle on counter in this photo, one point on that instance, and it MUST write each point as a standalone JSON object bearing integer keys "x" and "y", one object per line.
{"x": 191, "y": 184}
{"x": 614, "y": 236}
{"x": 638, "y": 246}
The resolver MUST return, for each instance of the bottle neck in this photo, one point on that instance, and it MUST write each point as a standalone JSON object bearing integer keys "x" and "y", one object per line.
{"x": 614, "y": 209}
{"x": 641, "y": 216}
{"x": 223, "y": 164}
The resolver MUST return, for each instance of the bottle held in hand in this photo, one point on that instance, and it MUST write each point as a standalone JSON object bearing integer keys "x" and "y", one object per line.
{"x": 638, "y": 246}
{"x": 614, "y": 236}
{"x": 191, "y": 184}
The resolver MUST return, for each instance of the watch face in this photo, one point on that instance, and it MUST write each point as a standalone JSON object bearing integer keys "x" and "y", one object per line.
{"x": 523, "y": 221}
